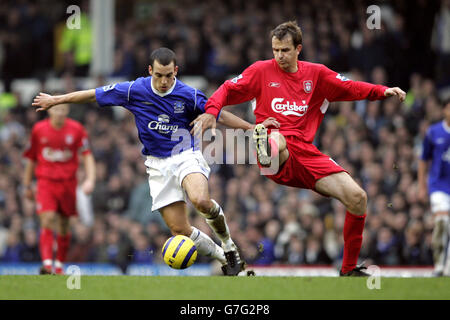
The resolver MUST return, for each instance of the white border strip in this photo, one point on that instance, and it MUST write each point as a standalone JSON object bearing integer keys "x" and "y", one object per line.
{"x": 321, "y": 271}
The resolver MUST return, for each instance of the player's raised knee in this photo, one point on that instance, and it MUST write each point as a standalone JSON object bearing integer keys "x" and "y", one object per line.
{"x": 279, "y": 140}
{"x": 181, "y": 230}
{"x": 201, "y": 203}
{"x": 358, "y": 202}
{"x": 47, "y": 219}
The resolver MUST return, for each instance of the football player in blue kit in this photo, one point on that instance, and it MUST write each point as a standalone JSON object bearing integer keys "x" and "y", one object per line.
{"x": 163, "y": 108}
{"x": 436, "y": 156}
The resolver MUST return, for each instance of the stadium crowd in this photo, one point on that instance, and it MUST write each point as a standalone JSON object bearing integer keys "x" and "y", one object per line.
{"x": 377, "y": 142}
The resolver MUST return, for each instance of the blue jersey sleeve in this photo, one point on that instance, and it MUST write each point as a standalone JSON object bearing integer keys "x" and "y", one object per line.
{"x": 427, "y": 147}
{"x": 113, "y": 95}
{"x": 200, "y": 101}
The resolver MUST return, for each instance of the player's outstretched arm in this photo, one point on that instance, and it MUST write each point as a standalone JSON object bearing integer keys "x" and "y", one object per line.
{"x": 205, "y": 121}
{"x": 230, "y": 120}
{"x": 45, "y": 101}
{"x": 336, "y": 87}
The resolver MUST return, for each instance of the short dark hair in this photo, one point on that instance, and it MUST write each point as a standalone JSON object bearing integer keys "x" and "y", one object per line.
{"x": 164, "y": 56}
{"x": 445, "y": 102}
{"x": 291, "y": 28}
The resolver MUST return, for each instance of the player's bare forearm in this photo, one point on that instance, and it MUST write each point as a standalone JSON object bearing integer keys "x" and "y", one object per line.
{"x": 89, "y": 167}
{"x": 230, "y": 120}
{"x": 422, "y": 169}
{"x": 28, "y": 173}
{"x": 28, "y": 178}
{"x": 83, "y": 96}
{"x": 45, "y": 101}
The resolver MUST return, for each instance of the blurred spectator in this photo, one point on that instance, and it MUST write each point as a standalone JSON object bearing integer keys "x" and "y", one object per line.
{"x": 79, "y": 250}
{"x": 118, "y": 250}
{"x": 76, "y": 45}
{"x": 440, "y": 42}
{"x": 385, "y": 248}
{"x": 29, "y": 252}
{"x": 414, "y": 251}
{"x": 314, "y": 252}
{"x": 143, "y": 251}
{"x": 13, "y": 248}
{"x": 267, "y": 243}
{"x": 98, "y": 250}
{"x": 295, "y": 251}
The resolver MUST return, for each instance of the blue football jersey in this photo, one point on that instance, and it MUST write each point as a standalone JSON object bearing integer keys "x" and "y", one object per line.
{"x": 436, "y": 147}
{"x": 162, "y": 119}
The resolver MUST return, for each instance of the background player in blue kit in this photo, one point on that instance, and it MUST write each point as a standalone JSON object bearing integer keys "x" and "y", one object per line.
{"x": 436, "y": 149}
{"x": 164, "y": 107}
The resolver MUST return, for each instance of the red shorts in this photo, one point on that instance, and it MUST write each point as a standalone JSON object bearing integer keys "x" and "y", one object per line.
{"x": 56, "y": 195}
{"x": 305, "y": 165}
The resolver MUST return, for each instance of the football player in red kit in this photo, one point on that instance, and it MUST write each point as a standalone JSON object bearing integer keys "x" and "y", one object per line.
{"x": 297, "y": 94}
{"x": 52, "y": 155}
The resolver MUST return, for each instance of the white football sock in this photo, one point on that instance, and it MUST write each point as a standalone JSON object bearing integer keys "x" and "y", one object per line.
{"x": 47, "y": 262}
{"x": 439, "y": 241}
{"x": 219, "y": 225}
{"x": 206, "y": 246}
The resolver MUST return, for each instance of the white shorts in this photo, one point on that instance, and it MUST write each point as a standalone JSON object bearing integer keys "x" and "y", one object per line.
{"x": 440, "y": 201}
{"x": 167, "y": 174}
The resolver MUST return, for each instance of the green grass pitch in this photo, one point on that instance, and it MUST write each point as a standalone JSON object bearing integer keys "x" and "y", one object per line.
{"x": 221, "y": 288}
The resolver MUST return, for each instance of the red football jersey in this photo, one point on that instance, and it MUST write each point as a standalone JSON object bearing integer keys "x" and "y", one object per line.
{"x": 297, "y": 100}
{"x": 55, "y": 151}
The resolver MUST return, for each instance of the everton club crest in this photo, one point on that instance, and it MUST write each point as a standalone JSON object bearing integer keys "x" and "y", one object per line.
{"x": 307, "y": 86}
{"x": 178, "y": 107}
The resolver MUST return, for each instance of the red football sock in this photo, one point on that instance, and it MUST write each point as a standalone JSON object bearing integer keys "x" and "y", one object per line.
{"x": 353, "y": 229}
{"x": 63, "y": 242}
{"x": 46, "y": 244}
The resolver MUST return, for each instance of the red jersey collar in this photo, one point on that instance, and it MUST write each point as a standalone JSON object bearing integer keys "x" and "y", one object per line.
{"x": 289, "y": 74}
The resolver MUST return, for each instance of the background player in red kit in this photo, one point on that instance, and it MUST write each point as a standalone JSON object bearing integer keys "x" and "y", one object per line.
{"x": 297, "y": 94}
{"x": 53, "y": 157}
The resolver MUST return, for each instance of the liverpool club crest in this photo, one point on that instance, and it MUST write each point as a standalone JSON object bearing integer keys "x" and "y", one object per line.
{"x": 307, "y": 86}
{"x": 69, "y": 139}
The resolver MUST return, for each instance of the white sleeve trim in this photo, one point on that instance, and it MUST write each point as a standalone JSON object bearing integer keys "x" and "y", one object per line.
{"x": 129, "y": 89}
{"x": 324, "y": 106}
{"x": 195, "y": 99}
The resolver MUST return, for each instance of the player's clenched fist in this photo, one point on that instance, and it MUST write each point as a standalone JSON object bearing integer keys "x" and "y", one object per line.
{"x": 396, "y": 91}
